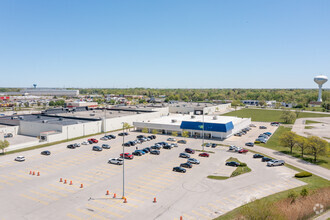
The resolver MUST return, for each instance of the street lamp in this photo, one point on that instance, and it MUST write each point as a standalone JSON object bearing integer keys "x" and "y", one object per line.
{"x": 203, "y": 132}
{"x": 123, "y": 162}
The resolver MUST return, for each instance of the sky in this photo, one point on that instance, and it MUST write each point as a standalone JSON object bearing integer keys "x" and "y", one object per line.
{"x": 164, "y": 43}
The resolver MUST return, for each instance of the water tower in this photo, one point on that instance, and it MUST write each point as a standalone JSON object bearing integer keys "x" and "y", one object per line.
{"x": 320, "y": 80}
{"x": 35, "y": 86}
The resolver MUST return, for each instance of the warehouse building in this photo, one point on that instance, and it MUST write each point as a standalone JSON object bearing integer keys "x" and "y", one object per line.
{"x": 197, "y": 108}
{"x": 213, "y": 127}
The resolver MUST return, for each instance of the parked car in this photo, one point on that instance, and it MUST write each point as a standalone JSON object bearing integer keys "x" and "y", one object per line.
{"x": 179, "y": 169}
{"x": 123, "y": 134}
{"x": 97, "y": 148}
{"x": 258, "y": 156}
{"x": 153, "y": 136}
{"x": 238, "y": 134}
{"x": 193, "y": 161}
{"x": 76, "y": 144}
{"x": 182, "y": 141}
{"x": 257, "y": 142}
{"x": 93, "y": 140}
{"x": 137, "y": 153}
{"x": 186, "y": 165}
{"x": 268, "y": 133}
{"x": 237, "y": 149}
{"x": 85, "y": 143}
{"x": 127, "y": 156}
{"x": 71, "y": 146}
{"x": 272, "y": 163}
{"x": 167, "y": 146}
{"x": 261, "y": 140}
{"x": 156, "y": 152}
{"x": 112, "y": 136}
{"x": 117, "y": 161}
{"x": 140, "y": 136}
{"x": 189, "y": 150}
{"x": 106, "y": 146}
{"x": 262, "y": 127}
{"x": 45, "y": 152}
{"x": 243, "y": 151}
{"x": 8, "y": 135}
{"x": 161, "y": 143}
{"x": 249, "y": 144}
{"x": 232, "y": 147}
{"x": 208, "y": 145}
{"x": 184, "y": 155}
{"x": 20, "y": 158}
{"x": 204, "y": 155}
{"x": 265, "y": 159}
{"x": 275, "y": 123}
{"x": 145, "y": 150}
{"x": 90, "y": 142}
{"x": 174, "y": 145}
{"x": 171, "y": 139}
{"x": 156, "y": 147}
{"x": 232, "y": 163}
{"x": 263, "y": 136}
{"x": 104, "y": 138}
{"x": 214, "y": 145}
{"x": 253, "y": 125}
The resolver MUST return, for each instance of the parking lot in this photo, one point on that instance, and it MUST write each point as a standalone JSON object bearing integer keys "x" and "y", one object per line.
{"x": 190, "y": 195}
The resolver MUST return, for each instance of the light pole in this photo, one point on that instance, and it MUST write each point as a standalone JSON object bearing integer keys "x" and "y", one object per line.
{"x": 105, "y": 121}
{"x": 123, "y": 162}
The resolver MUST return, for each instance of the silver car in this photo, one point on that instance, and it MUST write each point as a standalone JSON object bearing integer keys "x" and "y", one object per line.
{"x": 193, "y": 161}
{"x": 275, "y": 163}
{"x": 117, "y": 161}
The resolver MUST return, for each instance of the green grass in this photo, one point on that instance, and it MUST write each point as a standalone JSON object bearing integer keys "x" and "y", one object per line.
{"x": 239, "y": 170}
{"x": 218, "y": 177}
{"x": 311, "y": 122}
{"x": 269, "y": 115}
{"x": 204, "y": 151}
{"x": 309, "y": 127}
{"x": 273, "y": 143}
{"x": 313, "y": 183}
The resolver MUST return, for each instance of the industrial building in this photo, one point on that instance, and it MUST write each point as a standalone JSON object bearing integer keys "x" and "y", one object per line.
{"x": 213, "y": 127}
{"x": 197, "y": 108}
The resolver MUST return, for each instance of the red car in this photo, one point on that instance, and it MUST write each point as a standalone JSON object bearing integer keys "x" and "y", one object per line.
{"x": 243, "y": 151}
{"x": 204, "y": 155}
{"x": 93, "y": 140}
{"x": 127, "y": 156}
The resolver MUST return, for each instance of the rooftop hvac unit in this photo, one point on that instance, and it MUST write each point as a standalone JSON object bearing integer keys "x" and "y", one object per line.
{"x": 91, "y": 114}
{"x": 174, "y": 120}
{"x": 60, "y": 119}
{"x": 193, "y": 116}
{"x": 44, "y": 121}
{"x": 215, "y": 117}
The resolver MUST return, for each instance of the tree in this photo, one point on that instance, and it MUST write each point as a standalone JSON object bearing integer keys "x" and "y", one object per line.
{"x": 174, "y": 133}
{"x": 185, "y": 134}
{"x": 145, "y": 130}
{"x": 298, "y": 111}
{"x": 154, "y": 131}
{"x": 301, "y": 142}
{"x": 288, "y": 116}
{"x": 316, "y": 146}
{"x": 236, "y": 103}
{"x": 126, "y": 126}
{"x": 4, "y": 144}
{"x": 288, "y": 139}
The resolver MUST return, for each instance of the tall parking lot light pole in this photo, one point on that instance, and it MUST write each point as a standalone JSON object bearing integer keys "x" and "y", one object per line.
{"x": 123, "y": 162}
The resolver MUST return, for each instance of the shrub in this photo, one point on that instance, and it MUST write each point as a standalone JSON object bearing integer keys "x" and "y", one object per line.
{"x": 293, "y": 196}
{"x": 304, "y": 192}
{"x": 242, "y": 164}
{"x": 303, "y": 174}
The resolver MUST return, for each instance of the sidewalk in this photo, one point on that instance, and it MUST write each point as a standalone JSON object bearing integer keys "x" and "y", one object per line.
{"x": 312, "y": 168}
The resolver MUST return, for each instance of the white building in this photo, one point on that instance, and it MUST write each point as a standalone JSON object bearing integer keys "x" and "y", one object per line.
{"x": 50, "y": 92}
{"x": 197, "y": 108}
{"x": 220, "y": 127}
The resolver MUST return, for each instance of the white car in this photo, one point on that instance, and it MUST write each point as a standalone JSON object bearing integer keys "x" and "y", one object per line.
{"x": 238, "y": 149}
{"x": 20, "y": 158}
{"x": 174, "y": 145}
{"x": 232, "y": 147}
{"x": 104, "y": 138}
{"x": 171, "y": 139}
{"x": 85, "y": 143}
{"x": 275, "y": 163}
{"x": 117, "y": 161}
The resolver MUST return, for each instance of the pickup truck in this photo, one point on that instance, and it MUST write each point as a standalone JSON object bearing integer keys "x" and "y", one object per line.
{"x": 275, "y": 163}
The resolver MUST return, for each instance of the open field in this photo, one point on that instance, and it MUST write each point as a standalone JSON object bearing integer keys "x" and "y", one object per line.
{"x": 269, "y": 115}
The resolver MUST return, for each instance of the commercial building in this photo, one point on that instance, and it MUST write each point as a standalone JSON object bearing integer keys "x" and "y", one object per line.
{"x": 217, "y": 127}
{"x": 197, "y": 108}
{"x": 50, "y": 92}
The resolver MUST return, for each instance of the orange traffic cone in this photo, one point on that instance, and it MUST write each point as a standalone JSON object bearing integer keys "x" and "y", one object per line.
{"x": 64, "y": 181}
{"x": 61, "y": 180}
{"x": 30, "y": 172}
{"x": 114, "y": 195}
{"x": 180, "y": 217}
{"x": 33, "y": 173}
{"x": 125, "y": 200}
{"x": 81, "y": 186}
{"x": 107, "y": 192}
{"x": 71, "y": 182}
{"x": 38, "y": 174}
{"x": 155, "y": 200}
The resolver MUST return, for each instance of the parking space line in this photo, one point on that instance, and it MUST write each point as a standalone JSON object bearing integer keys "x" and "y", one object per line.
{"x": 21, "y": 176}
{"x": 11, "y": 178}
{"x": 105, "y": 211}
{"x": 205, "y": 209}
{"x": 43, "y": 195}
{"x": 52, "y": 191}
{"x": 222, "y": 203}
{"x": 154, "y": 180}
{"x": 112, "y": 205}
{"x": 188, "y": 216}
{"x": 6, "y": 182}
{"x": 74, "y": 216}
{"x": 162, "y": 178}
{"x": 140, "y": 190}
{"x": 146, "y": 187}
{"x": 199, "y": 214}
{"x": 149, "y": 183}
{"x": 62, "y": 188}
{"x": 93, "y": 215}
{"x": 34, "y": 199}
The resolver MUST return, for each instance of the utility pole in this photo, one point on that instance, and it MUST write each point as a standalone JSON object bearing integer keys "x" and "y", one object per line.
{"x": 123, "y": 162}
{"x": 203, "y": 132}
